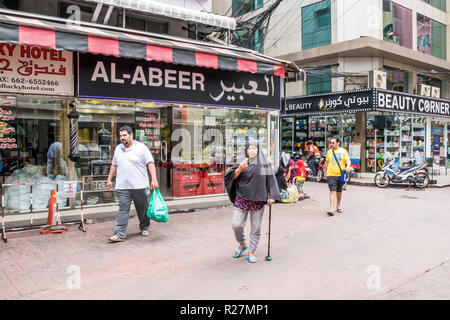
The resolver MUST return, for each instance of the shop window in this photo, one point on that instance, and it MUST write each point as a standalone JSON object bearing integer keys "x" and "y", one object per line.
{"x": 440, "y": 4}
{"x": 319, "y": 82}
{"x": 421, "y": 79}
{"x": 317, "y": 132}
{"x": 397, "y": 24}
{"x": 240, "y": 7}
{"x": 34, "y": 148}
{"x": 316, "y": 25}
{"x": 208, "y": 141}
{"x": 287, "y": 131}
{"x": 431, "y": 37}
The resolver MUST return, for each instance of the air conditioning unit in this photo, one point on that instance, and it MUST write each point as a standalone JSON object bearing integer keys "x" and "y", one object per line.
{"x": 377, "y": 79}
{"x": 435, "y": 92}
{"x": 424, "y": 90}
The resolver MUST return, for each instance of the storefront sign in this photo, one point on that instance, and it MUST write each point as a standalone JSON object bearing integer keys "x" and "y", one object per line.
{"x": 111, "y": 77}
{"x": 367, "y": 100}
{"x": 35, "y": 70}
{"x": 336, "y": 103}
{"x": 393, "y": 101}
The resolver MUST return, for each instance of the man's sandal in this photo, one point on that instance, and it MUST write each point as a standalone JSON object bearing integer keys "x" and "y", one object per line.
{"x": 330, "y": 213}
{"x": 340, "y": 211}
{"x": 239, "y": 252}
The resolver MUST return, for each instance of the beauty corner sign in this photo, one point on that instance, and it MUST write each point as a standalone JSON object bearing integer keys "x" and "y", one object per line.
{"x": 400, "y": 102}
{"x": 334, "y": 103}
{"x": 120, "y": 78}
{"x": 367, "y": 100}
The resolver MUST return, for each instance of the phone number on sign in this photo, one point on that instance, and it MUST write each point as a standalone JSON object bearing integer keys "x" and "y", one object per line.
{"x": 41, "y": 82}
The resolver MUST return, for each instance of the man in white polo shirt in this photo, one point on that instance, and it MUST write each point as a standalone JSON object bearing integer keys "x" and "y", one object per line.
{"x": 131, "y": 161}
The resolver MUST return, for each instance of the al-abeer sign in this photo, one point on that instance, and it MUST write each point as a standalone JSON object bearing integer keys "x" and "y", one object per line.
{"x": 35, "y": 70}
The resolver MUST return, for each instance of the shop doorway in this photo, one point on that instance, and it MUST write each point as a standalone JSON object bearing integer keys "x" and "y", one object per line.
{"x": 153, "y": 129}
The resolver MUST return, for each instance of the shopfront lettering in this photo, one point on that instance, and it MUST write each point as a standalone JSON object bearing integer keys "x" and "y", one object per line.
{"x": 113, "y": 77}
{"x": 8, "y": 146}
{"x": 41, "y": 53}
{"x": 412, "y": 104}
{"x": 391, "y": 101}
{"x": 35, "y": 70}
{"x": 251, "y": 88}
{"x": 7, "y": 49}
{"x": 156, "y": 77}
{"x": 298, "y": 106}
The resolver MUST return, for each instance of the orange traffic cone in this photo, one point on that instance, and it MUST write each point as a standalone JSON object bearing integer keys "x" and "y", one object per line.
{"x": 53, "y": 218}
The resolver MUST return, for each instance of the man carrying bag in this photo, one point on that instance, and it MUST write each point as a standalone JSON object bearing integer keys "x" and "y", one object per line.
{"x": 337, "y": 158}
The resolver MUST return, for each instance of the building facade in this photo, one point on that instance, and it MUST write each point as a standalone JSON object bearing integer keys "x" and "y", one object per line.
{"x": 192, "y": 103}
{"x": 351, "y": 45}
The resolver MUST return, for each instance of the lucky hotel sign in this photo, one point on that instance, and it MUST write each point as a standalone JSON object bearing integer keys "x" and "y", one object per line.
{"x": 35, "y": 70}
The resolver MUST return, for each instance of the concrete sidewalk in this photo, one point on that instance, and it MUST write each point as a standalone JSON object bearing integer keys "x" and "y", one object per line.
{"x": 379, "y": 248}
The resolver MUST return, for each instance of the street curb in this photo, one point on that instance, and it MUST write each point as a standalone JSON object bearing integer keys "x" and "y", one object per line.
{"x": 110, "y": 214}
{"x": 372, "y": 184}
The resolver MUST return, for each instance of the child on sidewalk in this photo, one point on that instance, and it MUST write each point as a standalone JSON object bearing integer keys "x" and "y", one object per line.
{"x": 301, "y": 177}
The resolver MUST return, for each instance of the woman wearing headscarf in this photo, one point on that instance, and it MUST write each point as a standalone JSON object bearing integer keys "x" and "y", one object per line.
{"x": 250, "y": 184}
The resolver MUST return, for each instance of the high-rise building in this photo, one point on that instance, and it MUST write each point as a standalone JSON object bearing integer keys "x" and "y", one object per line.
{"x": 395, "y": 49}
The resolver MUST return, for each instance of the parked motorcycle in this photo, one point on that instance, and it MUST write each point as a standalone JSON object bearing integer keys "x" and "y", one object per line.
{"x": 413, "y": 174}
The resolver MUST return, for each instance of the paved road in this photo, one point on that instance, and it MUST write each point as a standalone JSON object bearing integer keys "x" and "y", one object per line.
{"x": 389, "y": 244}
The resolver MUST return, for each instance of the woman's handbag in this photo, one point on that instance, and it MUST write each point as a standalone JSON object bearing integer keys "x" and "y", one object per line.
{"x": 157, "y": 209}
{"x": 344, "y": 174}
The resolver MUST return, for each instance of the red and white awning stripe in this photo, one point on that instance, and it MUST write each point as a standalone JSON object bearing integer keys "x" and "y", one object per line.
{"x": 81, "y": 38}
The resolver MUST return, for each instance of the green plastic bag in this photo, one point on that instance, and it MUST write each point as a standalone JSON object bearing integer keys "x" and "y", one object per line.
{"x": 157, "y": 209}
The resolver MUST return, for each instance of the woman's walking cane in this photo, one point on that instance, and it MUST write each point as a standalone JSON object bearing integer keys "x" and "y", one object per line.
{"x": 268, "y": 257}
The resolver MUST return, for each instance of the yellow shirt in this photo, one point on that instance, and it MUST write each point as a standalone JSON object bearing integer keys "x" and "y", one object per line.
{"x": 332, "y": 166}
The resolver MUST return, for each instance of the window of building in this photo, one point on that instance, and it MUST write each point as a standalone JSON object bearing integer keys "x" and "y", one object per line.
{"x": 136, "y": 23}
{"x": 10, "y": 4}
{"x": 319, "y": 82}
{"x": 397, "y": 24}
{"x": 397, "y": 80}
{"x": 316, "y": 25}
{"x": 431, "y": 37}
{"x": 256, "y": 42}
{"x": 422, "y": 79}
{"x": 241, "y": 7}
{"x": 440, "y": 4}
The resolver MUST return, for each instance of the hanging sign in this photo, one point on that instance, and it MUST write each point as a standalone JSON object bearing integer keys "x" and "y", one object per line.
{"x": 112, "y": 77}
{"x": 335, "y": 103}
{"x": 401, "y": 102}
{"x": 35, "y": 70}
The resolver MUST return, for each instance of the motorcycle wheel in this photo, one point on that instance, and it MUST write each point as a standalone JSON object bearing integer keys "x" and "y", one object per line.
{"x": 319, "y": 176}
{"x": 426, "y": 180}
{"x": 382, "y": 179}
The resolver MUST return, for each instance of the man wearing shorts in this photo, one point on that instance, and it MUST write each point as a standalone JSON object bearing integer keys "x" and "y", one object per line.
{"x": 333, "y": 173}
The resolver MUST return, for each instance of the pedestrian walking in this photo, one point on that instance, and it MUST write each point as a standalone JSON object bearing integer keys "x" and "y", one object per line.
{"x": 131, "y": 162}
{"x": 337, "y": 160}
{"x": 250, "y": 184}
